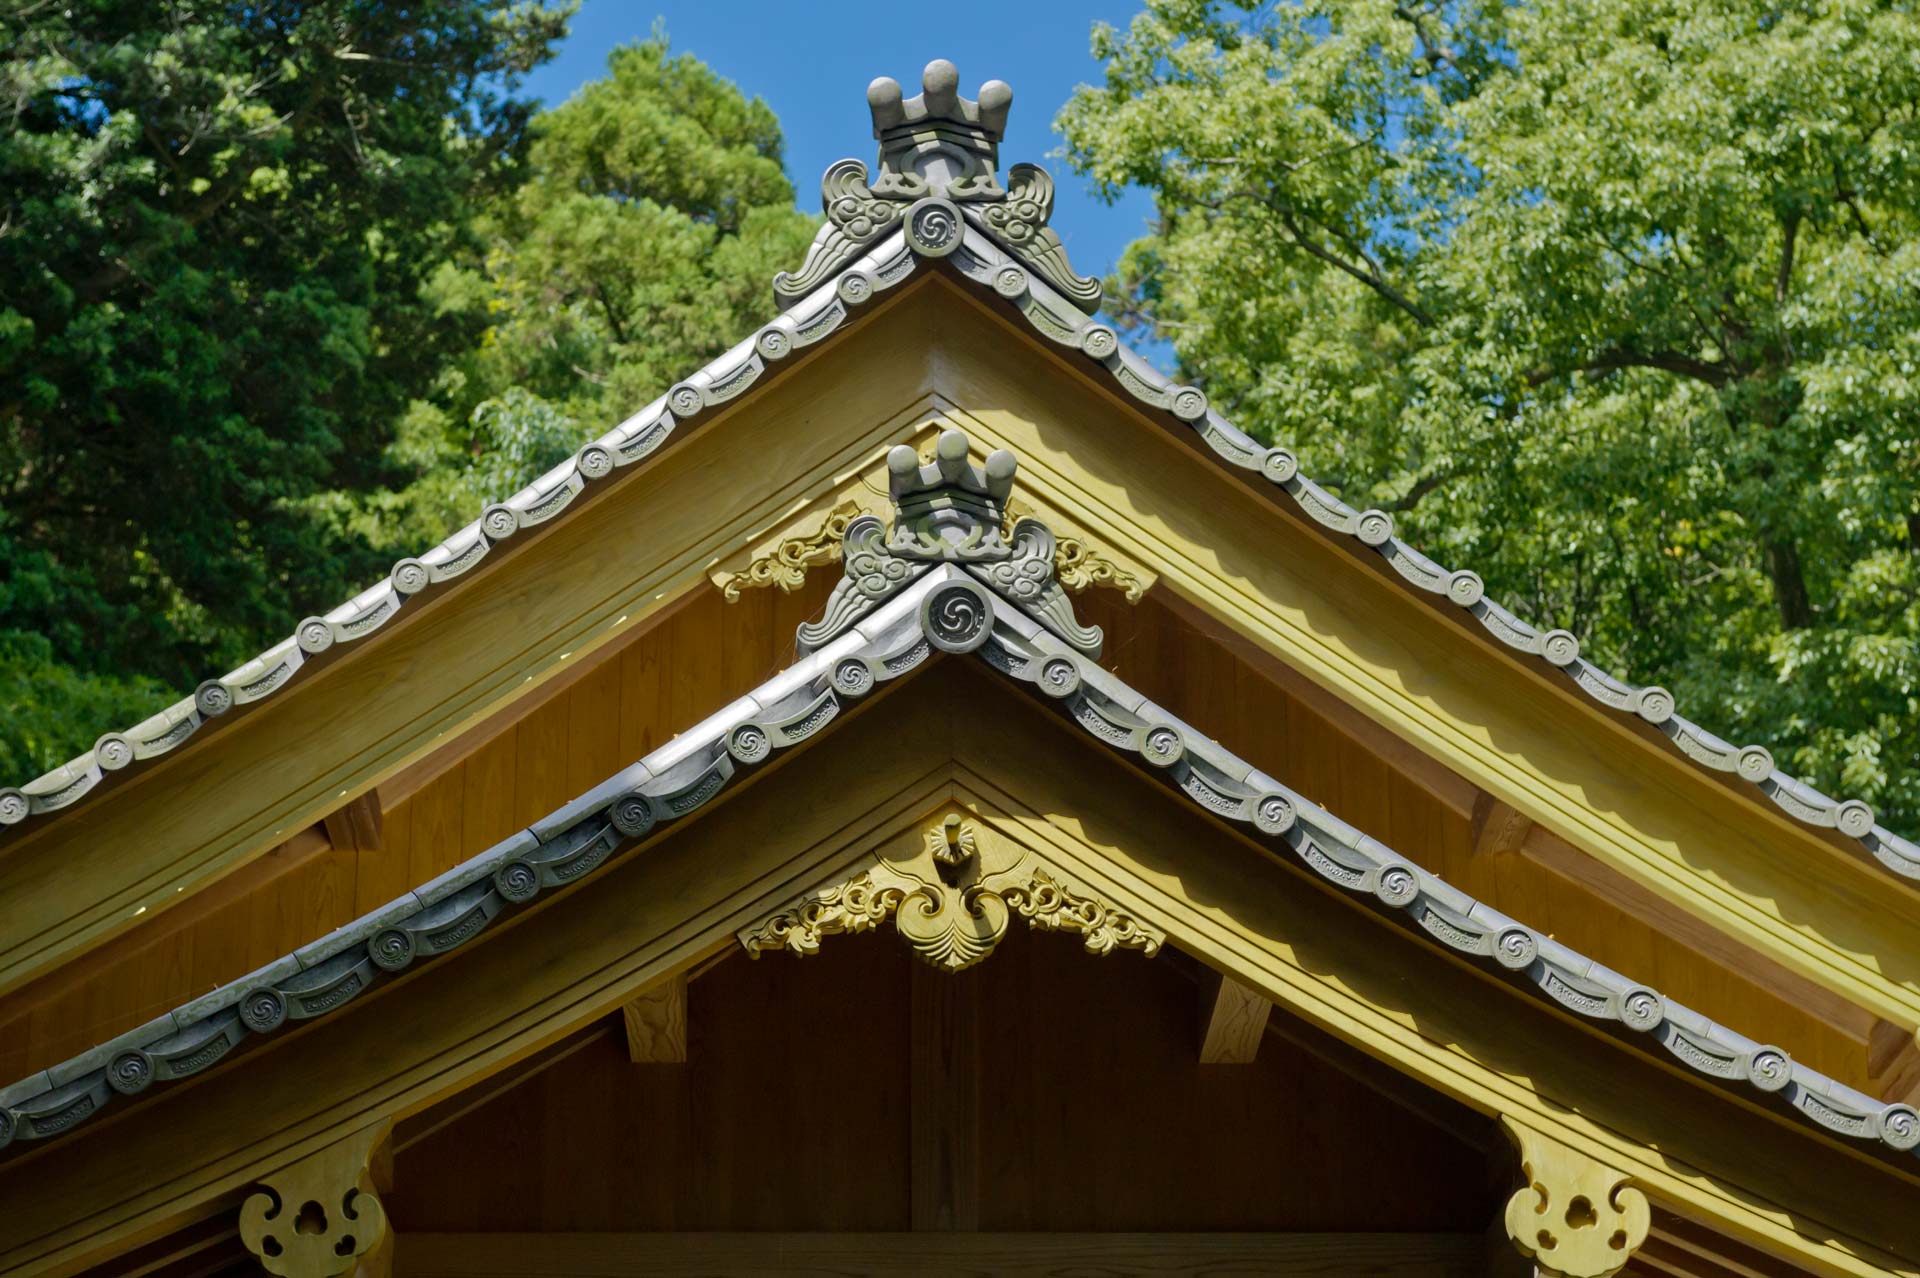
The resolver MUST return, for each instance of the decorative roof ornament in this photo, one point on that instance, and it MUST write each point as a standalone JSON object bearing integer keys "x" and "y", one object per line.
{"x": 950, "y": 511}
{"x": 944, "y": 606}
{"x": 939, "y": 162}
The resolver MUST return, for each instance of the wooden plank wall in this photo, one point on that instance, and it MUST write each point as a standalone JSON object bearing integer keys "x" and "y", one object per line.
{"x": 1155, "y": 647}
{"x": 796, "y": 1111}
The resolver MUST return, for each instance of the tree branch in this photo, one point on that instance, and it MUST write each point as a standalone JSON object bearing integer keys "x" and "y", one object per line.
{"x": 1421, "y": 487}
{"x": 1370, "y": 274}
{"x": 1715, "y": 375}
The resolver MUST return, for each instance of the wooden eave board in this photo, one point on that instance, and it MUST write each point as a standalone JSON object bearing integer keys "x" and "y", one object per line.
{"x": 641, "y": 689}
{"x": 583, "y": 952}
{"x": 1220, "y": 540}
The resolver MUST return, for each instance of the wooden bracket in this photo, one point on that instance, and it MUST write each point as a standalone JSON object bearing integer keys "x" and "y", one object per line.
{"x": 320, "y": 1217}
{"x": 1498, "y": 830}
{"x": 1236, "y": 1022}
{"x": 1893, "y": 1062}
{"x": 1575, "y": 1217}
{"x": 657, "y": 1024}
{"x": 356, "y": 826}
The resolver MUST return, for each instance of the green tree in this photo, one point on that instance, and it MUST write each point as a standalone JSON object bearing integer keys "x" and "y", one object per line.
{"x": 1615, "y": 301}
{"x": 216, "y": 222}
{"x": 654, "y": 215}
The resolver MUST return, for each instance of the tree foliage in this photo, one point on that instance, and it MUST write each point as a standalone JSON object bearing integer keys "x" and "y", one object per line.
{"x": 214, "y": 223}
{"x": 1615, "y": 301}
{"x": 290, "y": 290}
{"x": 653, "y": 212}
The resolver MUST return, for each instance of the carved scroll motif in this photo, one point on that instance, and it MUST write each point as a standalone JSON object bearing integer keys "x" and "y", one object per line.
{"x": 785, "y": 564}
{"x": 1576, "y": 1218}
{"x": 952, "y": 901}
{"x": 1079, "y": 565}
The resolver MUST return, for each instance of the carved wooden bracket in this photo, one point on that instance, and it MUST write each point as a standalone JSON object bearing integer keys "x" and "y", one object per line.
{"x": 656, "y": 1021}
{"x": 951, "y": 898}
{"x": 319, "y": 1216}
{"x": 1576, "y": 1218}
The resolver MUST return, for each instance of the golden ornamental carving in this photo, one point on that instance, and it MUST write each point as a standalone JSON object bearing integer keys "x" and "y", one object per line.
{"x": 952, "y": 899}
{"x": 1575, "y": 1218}
{"x": 319, "y": 1216}
{"x": 785, "y": 563}
{"x": 1079, "y": 566}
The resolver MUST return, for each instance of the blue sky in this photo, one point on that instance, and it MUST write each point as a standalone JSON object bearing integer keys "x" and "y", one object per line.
{"x": 811, "y": 61}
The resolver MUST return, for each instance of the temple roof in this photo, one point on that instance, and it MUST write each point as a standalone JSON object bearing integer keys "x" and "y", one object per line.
{"x": 940, "y": 579}
{"x": 937, "y": 199}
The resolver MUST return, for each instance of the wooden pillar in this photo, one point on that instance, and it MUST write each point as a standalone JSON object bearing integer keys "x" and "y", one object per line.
{"x": 945, "y": 1063}
{"x": 1236, "y": 1021}
{"x": 321, "y": 1217}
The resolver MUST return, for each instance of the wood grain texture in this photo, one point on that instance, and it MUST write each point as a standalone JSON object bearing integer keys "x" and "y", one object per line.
{"x": 1498, "y": 829}
{"x": 1229, "y": 545}
{"x": 944, "y": 1066}
{"x": 656, "y": 1024}
{"x": 550, "y": 597}
{"x": 1328, "y": 751}
{"x": 493, "y": 781}
{"x": 937, "y": 1256}
{"x": 355, "y": 827}
{"x": 1236, "y": 1022}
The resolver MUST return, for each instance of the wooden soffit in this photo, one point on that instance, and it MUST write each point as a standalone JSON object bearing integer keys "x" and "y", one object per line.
{"x": 952, "y": 738}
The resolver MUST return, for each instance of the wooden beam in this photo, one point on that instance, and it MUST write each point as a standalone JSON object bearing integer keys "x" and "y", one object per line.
{"x": 1498, "y": 830}
{"x": 945, "y": 1073}
{"x": 356, "y": 827}
{"x": 1511, "y": 725}
{"x": 850, "y": 1255}
{"x": 1893, "y": 1062}
{"x": 1236, "y": 1022}
{"x": 657, "y": 1024}
{"x": 1538, "y": 845}
{"x": 1560, "y": 858}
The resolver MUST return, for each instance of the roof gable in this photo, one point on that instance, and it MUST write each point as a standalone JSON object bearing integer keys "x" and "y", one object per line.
{"x": 952, "y": 279}
{"x": 580, "y": 953}
{"x": 940, "y": 579}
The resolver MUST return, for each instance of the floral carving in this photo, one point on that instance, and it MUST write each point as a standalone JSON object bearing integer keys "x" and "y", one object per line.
{"x": 951, "y": 900}
{"x": 1079, "y": 565}
{"x": 786, "y": 564}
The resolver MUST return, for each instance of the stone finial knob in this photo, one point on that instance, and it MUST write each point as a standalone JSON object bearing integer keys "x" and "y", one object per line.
{"x": 941, "y": 83}
{"x": 883, "y": 99}
{"x": 996, "y": 99}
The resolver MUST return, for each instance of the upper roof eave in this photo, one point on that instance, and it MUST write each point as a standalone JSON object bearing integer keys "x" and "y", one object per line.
{"x": 975, "y": 255}
{"x": 897, "y": 634}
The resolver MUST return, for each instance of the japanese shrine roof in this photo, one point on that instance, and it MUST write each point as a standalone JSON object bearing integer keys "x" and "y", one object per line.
{"x": 936, "y": 198}
{"x": 943, "y": 578}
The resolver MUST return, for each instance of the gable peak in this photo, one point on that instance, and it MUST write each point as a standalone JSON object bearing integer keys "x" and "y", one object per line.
{"x": 938, "y": 181}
